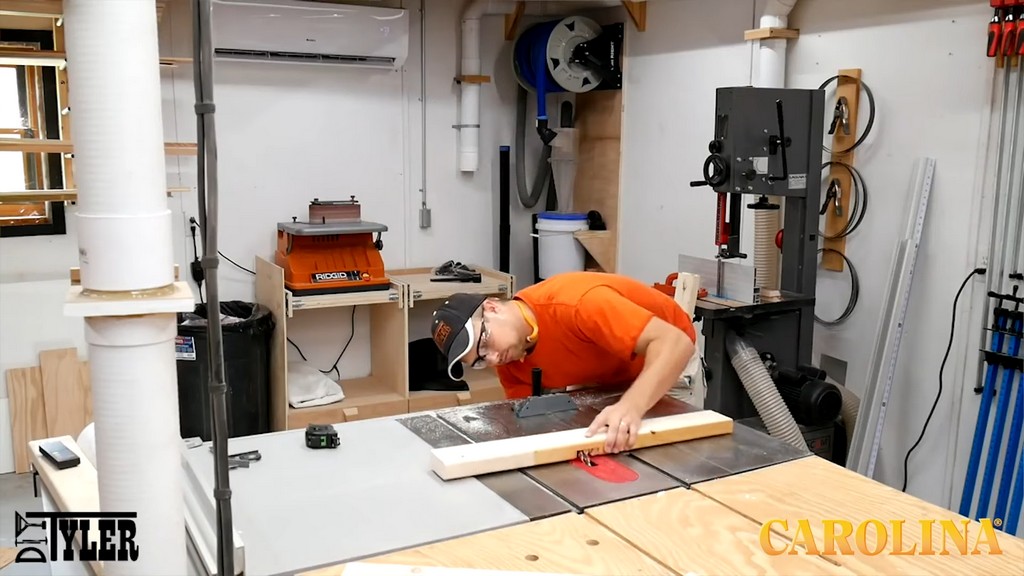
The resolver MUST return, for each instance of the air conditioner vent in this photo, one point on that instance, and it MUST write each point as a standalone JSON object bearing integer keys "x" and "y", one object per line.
{"x": 303, "y": 57}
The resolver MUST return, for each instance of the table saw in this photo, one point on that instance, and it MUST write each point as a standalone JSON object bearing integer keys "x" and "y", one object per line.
{"x": 693, "y": 507}
{"x": 376, "y": 493}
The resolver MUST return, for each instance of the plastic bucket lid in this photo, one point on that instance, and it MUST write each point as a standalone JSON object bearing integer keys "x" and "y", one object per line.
{"x": 570, "y": 216}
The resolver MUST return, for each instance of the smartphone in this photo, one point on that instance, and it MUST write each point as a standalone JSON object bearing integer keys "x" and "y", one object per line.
{"x": 60, "y": 455}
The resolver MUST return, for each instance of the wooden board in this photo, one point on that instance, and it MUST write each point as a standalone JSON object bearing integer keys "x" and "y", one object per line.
{"x": 65, "y": 396}
{"x": 75, "y": 489}
{"x": 522, "y": 452}
{"x": 28, "y": 412}
{"x": 567, "y": 543}
{"x": 693, "y": 534}
{"x": 270, "y": 293}
{"x": 599, "y": 125}
{"x": 848, "y": 86}
{"x": 815, "y": 490}
{"x": 370, "y": 569}
{"x": 7, "y": 556}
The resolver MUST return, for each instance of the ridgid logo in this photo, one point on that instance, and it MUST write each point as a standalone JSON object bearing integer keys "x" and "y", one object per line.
{"x": 875, "y": 537}
{"x": 50, "y": 536}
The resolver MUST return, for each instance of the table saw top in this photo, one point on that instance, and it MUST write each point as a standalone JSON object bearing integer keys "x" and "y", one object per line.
{"x": 376, "y": 493}
{"x": 717, "y": 527}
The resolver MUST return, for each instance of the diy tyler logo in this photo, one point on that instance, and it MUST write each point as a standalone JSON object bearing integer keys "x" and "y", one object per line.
{"x": 50, "y": 536}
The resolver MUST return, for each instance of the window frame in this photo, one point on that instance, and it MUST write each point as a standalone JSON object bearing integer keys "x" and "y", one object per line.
{"x": 53, "y": 176}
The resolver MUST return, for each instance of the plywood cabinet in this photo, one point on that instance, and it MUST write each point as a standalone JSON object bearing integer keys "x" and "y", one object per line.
{"x": 385, "y": 390}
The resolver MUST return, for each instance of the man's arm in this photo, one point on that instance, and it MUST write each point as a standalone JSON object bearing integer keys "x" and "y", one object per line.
{"x": 666, "y": 350}
{"x": 626, "y": 329}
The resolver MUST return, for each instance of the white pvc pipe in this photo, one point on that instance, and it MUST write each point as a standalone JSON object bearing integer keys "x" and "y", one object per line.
{"x": 771, "y": 74}
{"x": 125, "y": 245}
{"x": 138, "y": 446}
{"x": 124, "y": 225}
{"x": 469, "y": 111}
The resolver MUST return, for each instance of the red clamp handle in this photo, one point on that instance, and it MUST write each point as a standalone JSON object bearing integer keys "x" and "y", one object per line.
{"x": 995, "y": 34}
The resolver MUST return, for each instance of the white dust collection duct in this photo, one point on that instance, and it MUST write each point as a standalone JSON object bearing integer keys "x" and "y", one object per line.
{"x": 469, "y": 107}
{"x": 771, "y": 74}
{"x": 128, "y": 294}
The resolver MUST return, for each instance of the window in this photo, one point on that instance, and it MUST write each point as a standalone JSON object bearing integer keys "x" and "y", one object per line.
{"x": 30, "y": 109}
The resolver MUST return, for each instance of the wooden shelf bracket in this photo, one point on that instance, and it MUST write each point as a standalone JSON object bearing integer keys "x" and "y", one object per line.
{"x": 637, "y": 12}
{"x": 837, "y": 210}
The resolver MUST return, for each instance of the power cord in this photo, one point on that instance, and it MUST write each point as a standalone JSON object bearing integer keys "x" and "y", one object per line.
{"x": 196, "y": 266}
{"x": 333, "y": 368}
{"x": 197, "y": 275}
{"x": 942, "y": 367}
{"x": 195, "y": 225}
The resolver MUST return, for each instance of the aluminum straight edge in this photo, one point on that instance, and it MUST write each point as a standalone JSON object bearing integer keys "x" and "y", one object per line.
{"x": 862, "y": 458}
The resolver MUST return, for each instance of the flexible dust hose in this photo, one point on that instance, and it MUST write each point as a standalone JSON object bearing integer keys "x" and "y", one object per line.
{"x": 761, "y": 388}
{"x": 766, "y": 254}
{"x": 529, "y": 198}
{"x": 849, "y": 412}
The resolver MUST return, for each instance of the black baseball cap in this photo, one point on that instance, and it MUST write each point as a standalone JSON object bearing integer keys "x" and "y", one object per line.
{"x": 452, "y": 329}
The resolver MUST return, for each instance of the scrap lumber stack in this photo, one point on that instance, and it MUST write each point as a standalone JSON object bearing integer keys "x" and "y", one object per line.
{"x": 52, "y": 399}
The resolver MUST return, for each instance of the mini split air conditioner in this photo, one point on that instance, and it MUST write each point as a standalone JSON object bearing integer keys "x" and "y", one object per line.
{"x": 294, "y": 31}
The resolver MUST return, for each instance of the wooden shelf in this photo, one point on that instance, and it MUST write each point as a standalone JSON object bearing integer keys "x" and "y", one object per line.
{"x": 54, "y": 146}
{"x": 420, "y": 287}
{"x": 598, "y": 170}
{"x": 365, "y": 398}
{"x": 600, "y": 244}
{"x": 385, "y": 391}
{"x": 484, "y": 386}
{"x": 51, "y": 9}
{"x": 393, "y": 294}
{"x": 55, "y": 195}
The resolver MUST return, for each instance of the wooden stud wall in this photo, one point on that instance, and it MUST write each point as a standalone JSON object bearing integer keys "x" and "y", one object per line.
{"x": 848, "y": 86}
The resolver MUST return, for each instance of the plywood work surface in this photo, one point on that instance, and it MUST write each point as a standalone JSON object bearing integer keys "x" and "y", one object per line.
{"x": 693, "y": 534}
{"x": 567, "y": 544}
{"x": 816, "y": 491}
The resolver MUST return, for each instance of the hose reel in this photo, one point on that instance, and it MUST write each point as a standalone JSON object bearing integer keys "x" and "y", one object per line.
{"x": 574, "y": 54}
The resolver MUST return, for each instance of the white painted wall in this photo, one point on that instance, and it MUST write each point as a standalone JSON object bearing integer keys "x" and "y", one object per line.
{"x": 287, "y": 134}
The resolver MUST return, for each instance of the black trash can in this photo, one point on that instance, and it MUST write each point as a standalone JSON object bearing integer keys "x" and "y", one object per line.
{"x": 246, "y": 330}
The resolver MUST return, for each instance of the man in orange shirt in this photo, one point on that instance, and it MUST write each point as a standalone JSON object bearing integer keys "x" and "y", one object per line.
{"x": 580, "y": 328}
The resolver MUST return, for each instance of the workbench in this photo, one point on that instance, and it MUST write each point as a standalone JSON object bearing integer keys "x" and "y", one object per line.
{"x": 694, "y": 507}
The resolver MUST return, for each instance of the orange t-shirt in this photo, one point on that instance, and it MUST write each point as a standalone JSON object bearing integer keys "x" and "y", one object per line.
{"x": 588, "y": 325}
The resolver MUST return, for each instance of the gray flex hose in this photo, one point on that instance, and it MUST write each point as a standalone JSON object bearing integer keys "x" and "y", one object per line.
{"x": 849, "y": 411}
{"x": 762, "y": 391}
{"x": 529, "y": 198}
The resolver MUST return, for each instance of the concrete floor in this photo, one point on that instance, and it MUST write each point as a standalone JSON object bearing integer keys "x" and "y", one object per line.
{"x": 16, "y": 496}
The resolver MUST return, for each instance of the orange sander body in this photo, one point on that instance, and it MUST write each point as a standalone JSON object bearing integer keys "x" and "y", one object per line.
{"x": 334, "y": 251}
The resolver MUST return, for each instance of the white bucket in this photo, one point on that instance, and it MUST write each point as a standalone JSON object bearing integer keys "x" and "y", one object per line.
{"x": 557, "y": 250}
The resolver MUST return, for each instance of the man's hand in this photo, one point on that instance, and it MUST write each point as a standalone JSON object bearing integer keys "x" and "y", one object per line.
{"x": 622, "y": 423}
